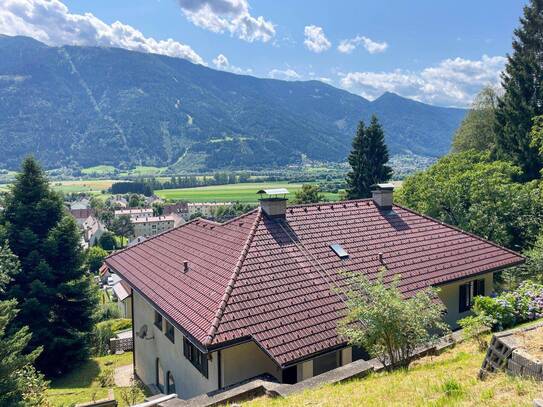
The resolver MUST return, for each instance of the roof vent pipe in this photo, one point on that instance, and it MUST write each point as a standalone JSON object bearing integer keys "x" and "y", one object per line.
{"x": 185, "y": 266}
{"x": 382, "y": 195}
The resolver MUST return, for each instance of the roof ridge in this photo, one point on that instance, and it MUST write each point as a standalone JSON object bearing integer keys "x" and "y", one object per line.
{"x": 233, "y": 278}
{"x": 456, "y": 228}
{"x": 329, "y": 203}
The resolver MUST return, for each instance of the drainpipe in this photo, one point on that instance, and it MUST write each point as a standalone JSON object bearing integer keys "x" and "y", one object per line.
{"x": 133, "y": 331}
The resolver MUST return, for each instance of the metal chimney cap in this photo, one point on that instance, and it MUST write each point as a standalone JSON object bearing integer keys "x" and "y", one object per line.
{"x": 388, "y": 186}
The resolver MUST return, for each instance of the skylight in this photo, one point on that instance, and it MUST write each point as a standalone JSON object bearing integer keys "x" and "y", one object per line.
{"x": 339, "y": 250}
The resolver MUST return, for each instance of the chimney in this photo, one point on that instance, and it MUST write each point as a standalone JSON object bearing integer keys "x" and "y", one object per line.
{"x": 273, "y": 205}
{"x": 382, "y": 195}
{"x": 185, "y": 266}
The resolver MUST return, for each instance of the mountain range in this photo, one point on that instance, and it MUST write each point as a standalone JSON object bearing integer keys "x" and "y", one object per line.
{"x": 84, "y": 106}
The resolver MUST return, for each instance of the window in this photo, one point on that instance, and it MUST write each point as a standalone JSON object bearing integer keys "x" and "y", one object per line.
{"x": 170, "y": 334}
{"x": 158, "y": 320}
{"x": 195, "y": 356}
{"x": 468, "y": 292}
{"x": 170, "y": 383}
{"x": 325, "y": 363}
{"x": 159, "y": 375}
{"x": 339, "y": 251}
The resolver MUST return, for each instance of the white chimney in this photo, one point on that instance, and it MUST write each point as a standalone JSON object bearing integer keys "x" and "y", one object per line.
{"x": 382, "y": 195}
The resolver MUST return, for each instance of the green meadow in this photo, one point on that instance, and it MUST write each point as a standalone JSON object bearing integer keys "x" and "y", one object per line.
{"x": 246, "y": 192}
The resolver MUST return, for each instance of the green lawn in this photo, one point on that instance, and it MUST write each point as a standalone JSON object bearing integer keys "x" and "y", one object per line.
{"x": 449, "y": 379}
{"x": 230, "y": 193}
{"x": 82, "y": 385}
{"x": 92, "y": 186}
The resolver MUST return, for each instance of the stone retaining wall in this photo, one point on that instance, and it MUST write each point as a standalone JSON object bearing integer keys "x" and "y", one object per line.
{"x": 506, "y": 353}
{"x": 120, "y": 345}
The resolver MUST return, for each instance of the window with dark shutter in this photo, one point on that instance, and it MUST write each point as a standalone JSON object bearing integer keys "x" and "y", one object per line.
{"x": 170, "y": 334}
{"x": 479, "y": 287}
{"x": 464, "y": 297}
{"x": 158, "y": 320}
{"x": 196, "y": 357}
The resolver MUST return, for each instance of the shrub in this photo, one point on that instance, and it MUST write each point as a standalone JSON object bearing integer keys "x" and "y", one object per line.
{"x": 106, "y": 378}
{"x": 100, "y": 339}
{"x": 116, "y": 325}
{"x": 475, "y": 327}
{"x": 107, "y": 311}
{"x": 35, "y": 387}
{"x": 511, "y": 307}
{"x": 387, "y": 325}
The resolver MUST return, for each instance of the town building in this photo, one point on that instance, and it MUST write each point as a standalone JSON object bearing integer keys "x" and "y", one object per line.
{"x": 81, "y": 215}
{"x": 206, "y": 209}
{"x": 134, "y": 212}
{"x": 92, "y": 231}
{"x": 217, "y": 304}
{"x": 152, "y": 225}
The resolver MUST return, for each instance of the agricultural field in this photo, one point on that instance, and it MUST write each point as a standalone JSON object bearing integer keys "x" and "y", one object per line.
{"x": 230, "y": 193}
{"x": 93, "y": 186}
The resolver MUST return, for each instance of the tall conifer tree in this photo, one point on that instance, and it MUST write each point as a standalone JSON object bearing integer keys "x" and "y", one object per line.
{"x": 12, "y": 345}
{"x": 52, "y": 290}
{"x": 523, "y": 97}
{"x": 368, "y": 160}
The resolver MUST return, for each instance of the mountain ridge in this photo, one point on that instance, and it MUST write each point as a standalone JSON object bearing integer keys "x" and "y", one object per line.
{"x": 84, "y": 106}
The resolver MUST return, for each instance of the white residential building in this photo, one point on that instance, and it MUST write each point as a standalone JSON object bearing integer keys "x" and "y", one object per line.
{"x": 152, "y": 225}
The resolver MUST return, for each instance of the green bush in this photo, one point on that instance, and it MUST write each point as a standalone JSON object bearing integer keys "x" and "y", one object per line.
{"x": 106, "y": 378}
{"x": 116, "y": 325}
{"x": 107, "y": 311}
{"x": 100, "y": 339}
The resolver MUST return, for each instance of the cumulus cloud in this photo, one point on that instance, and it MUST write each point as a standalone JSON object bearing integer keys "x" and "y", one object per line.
{"x": 286, "y": 74}
{"x": 373, "y": 47}
{"x": 452, "y": 82}
{"x": 228, "y": 15}
{"x": 315, "y": 40}
{"x": 51, "y": 22}
{"x": 221, "y": 62}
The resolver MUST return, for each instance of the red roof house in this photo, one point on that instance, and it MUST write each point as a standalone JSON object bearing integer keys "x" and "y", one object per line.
{"x": 268, "y": 277}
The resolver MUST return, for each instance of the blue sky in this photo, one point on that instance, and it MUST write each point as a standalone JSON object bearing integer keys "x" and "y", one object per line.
{"x": 439, "y": 52}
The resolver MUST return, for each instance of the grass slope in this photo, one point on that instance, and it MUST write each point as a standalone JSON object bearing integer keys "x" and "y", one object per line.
{"x": 81, "y": 385}
{"x": 449, "y": 379}
{"x": 230, "y": 193}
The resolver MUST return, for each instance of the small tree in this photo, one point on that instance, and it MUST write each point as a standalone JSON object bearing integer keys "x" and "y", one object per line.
{"x": 388, "y": 326}
{"x": 107, "y": 241}
{"x": 94, "y": 259}
{"x": 368, "y": 160}
{"x": 308, "y": 194}
{"x": 123, "y": 227}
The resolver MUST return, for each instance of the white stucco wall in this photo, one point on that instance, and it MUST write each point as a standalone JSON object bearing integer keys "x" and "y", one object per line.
{"x": 449, "y": 294}
{"x": 244, "y": 361}
{"x": 189, "y": 382}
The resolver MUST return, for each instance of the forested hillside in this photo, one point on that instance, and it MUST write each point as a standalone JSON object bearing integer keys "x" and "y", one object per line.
{"x": 84, "y": 106}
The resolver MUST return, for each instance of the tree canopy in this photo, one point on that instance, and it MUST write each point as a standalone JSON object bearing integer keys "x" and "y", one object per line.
{"x": 478, "y": 195}
{"x": 478, "y": 129}
{"x": 308, "y": 194}
{"x": 368, "y": 160}
{"x": 522, "y": 82}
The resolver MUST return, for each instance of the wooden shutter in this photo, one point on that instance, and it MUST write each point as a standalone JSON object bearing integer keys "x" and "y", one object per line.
{"x": 463, "y": 298}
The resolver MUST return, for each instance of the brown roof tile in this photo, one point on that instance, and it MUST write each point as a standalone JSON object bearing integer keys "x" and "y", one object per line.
{"x": 271, "y": 279}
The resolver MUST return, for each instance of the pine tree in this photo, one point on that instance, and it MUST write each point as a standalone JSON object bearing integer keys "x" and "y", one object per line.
{"x": 368, "y": 160}
{"x": 523, "y": 97}
{"x": 12, "y": 346}
{"x": 46, "y": 289}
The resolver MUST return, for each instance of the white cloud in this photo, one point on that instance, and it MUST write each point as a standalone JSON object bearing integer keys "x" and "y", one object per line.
{"x": 51, "y": 22}
{"x": 452, "y": 82}
{"x": 373, "y": 47}
{"x": 315, "y": 40}
{"x": 221, "y": 62}
{"x": 286, "y": 74}
{"x": 228, "y": 15}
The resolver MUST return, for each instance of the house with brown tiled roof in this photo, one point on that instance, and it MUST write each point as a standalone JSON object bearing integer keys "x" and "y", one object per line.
{"x": 215, "y": 304}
